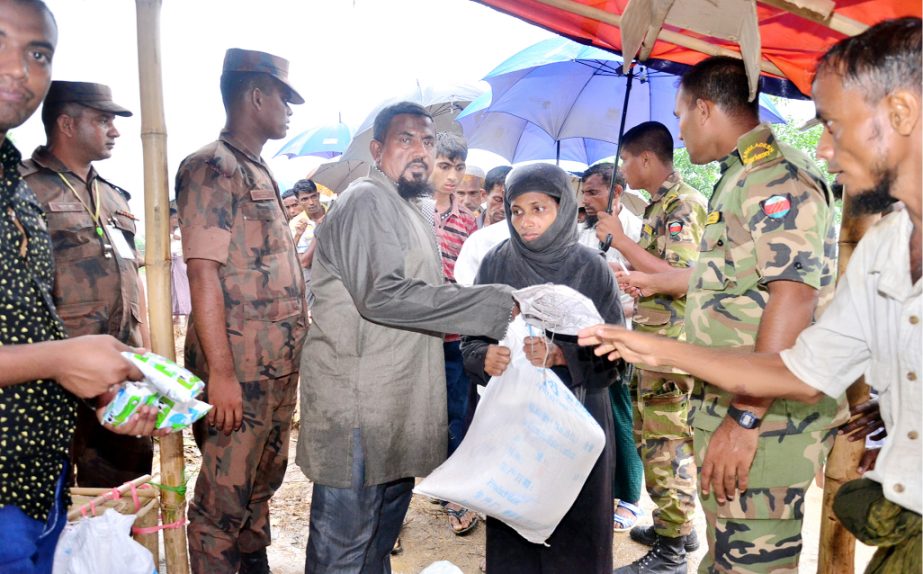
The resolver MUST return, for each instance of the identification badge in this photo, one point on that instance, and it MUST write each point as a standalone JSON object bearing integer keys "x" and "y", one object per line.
{"x": 119, "y": 243}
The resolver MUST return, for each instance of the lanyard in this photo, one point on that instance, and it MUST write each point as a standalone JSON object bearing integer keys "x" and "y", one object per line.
{"x": 95, "y": 216}
{"x": 107, "y": 248}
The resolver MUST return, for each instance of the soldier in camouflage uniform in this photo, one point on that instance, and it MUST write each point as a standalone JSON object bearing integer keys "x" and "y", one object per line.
{"x": 766, "y": 259}
{"x": 97, "y": 288}
{"x": 248, "y": 320}
{"x": 672, "y": 230}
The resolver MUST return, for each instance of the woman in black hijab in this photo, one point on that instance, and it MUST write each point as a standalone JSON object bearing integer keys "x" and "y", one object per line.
{"x": 541, "y": 211}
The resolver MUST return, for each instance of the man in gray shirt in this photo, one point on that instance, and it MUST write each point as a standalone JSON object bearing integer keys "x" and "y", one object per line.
{"x": 372, "y": 376}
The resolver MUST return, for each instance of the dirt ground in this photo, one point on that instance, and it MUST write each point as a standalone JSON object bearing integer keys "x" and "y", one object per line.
{"x": 427, "y": 538}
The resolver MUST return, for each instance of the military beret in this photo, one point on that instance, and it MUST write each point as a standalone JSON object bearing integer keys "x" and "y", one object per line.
{"x": 239, "y": 60}
{"x": 96, "y": 96}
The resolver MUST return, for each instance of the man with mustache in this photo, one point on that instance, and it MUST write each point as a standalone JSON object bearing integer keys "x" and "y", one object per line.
{"x": 97, "y": 286}
{"x": 248, "y": 319}
{"x": 373, "y": 379}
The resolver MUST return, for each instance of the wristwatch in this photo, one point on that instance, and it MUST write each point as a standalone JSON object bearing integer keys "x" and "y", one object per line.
{"x": 746, "y": 419}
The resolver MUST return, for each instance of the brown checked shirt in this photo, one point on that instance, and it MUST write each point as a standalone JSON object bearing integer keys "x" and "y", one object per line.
{"x": 230, "y": 212}
{"x": 97, "y": 288}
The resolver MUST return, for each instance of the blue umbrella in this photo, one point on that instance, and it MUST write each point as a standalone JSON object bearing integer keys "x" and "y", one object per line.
{"x": 576, "y": 94}
{"x": 518, "y": 140}
{"x": 575, "y": 91}
{"x": 323, "y": 141}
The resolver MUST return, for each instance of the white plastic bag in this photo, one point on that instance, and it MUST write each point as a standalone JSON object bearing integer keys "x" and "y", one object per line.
{"x": 102, "y": 545}
{"x": 530, "y": 449}
{"x": 557, "y": 308}
{"x": 442, "y": 567}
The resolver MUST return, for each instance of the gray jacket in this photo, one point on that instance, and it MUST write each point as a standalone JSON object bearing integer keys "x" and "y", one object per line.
{"x": 373, "y": 359}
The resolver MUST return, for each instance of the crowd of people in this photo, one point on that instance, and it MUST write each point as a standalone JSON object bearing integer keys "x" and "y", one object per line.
{"x": 720, "y": 372}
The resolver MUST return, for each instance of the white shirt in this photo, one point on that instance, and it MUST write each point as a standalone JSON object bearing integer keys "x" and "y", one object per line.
{"x": 631, "y": 224}
{"x": 475, "y": 248}
{"x": 873, "y": 327}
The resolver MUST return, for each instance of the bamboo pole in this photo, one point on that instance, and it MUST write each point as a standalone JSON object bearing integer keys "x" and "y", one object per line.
{"x": 696, "y": 44}
{"x": 158, "y": 261}
{"x": 837, "y": 548}
{"x": 821, "y": 13}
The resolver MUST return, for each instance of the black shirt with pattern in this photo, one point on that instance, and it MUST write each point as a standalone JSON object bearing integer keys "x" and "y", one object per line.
{"x": 37, "y": 418}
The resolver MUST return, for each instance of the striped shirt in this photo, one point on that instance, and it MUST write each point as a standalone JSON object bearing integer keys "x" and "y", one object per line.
{"x": 452, "y": 229}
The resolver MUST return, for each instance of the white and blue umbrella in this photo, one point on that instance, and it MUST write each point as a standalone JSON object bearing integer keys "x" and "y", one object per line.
{"x": 326, "y": 141}
{"x": 577, "y": 95}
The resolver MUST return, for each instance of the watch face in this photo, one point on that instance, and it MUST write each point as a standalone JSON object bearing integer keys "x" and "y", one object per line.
{"x": 747, "y": 419}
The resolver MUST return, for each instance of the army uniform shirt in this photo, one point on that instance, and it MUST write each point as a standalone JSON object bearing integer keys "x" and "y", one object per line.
{"x": 97, "y": 288}
{"x": 770, "y": 218}
{"x": 672, "y": 230}
{"x": 36, "y": 418}
{"x": 230, "y": 211}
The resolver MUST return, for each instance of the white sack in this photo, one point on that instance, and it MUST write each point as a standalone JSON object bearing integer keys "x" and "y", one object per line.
{"x": 530, "y": 449}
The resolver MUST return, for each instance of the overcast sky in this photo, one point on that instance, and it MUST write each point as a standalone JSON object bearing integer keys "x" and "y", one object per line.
{"x": 345, "y": 56}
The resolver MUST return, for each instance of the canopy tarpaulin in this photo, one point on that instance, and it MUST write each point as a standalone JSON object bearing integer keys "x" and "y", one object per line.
{"x": 789, "y": 43}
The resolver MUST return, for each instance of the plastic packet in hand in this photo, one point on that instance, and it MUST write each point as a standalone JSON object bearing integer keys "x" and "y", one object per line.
{"x": 170, "y": 379}
{"x": 171, "y": 414}
{"x": 167, "y": 386}
{"x": 557, "y": 308}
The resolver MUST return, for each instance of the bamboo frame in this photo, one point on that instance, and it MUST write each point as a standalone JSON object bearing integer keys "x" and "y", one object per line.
{"x": 837, "y": 547}
{"x": 105, "y": 495}
{"x": 158, "y": 261}
{"x": 696, "y": 44}
{"x": 821, "y": 12}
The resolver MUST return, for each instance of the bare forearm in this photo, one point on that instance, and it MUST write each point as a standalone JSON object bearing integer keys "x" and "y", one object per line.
{"x": 208, "y": 311}
{"x": 24, "y": 363}
{"x": 754, "y": 376}
{"x": 307, "y": 258}
{"x": 640, "y": 259}
{"x": 674, "y": 282}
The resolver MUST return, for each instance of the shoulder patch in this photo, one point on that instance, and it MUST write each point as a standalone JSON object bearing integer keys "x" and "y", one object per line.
{"x": 713, "y": 217}
{"x": 669, "y": 198}
{"x": 758, "y": 152}
{"x": 675, "y": 228}
{"x": 777, "y": 206}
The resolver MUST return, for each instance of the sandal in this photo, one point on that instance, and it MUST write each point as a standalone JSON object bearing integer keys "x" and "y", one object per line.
{"x": 459, "y": 516}
{"x": 622, "y": 523}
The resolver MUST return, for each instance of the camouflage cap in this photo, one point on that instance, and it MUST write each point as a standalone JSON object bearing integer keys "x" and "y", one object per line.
{"x": 239, "y": 60}
{"x": 96, "y": 96}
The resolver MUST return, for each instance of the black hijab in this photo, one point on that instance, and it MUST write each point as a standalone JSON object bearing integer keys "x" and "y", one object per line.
{"x": 541, "y": 260}
{"x": 556, "y": 257}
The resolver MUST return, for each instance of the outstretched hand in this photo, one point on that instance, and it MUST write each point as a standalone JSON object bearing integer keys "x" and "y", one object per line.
{"x": 620, "y": 343}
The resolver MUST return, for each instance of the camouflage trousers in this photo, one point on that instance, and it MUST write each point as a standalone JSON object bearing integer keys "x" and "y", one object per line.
{"x": 759, "y": 531}
{"x": 897, "y": 532}
{"x": 664, "y": 439}
{"x": 229, "y": 513}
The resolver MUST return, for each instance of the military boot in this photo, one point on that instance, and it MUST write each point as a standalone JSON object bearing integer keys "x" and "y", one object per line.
{"x": 254, "y": 562}
{"x": 666, "y": 556}
{"x": 647, "y": 536}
